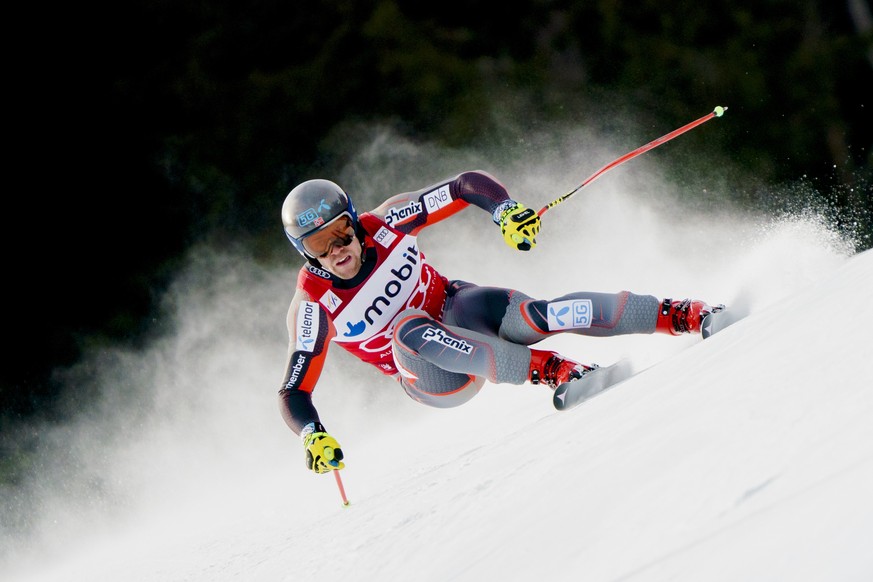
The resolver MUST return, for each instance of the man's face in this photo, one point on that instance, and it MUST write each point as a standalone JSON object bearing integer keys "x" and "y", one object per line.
{"x": 336, "y": 247}
{"x": 344, "y": 261}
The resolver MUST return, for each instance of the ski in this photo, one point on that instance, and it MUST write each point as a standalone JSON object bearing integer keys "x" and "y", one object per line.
{"x": 571, "y": 394}
{"x": 716, "y": 321}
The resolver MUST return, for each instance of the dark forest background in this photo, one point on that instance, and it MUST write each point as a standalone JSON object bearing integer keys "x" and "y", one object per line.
{"x": 139, "y": 129}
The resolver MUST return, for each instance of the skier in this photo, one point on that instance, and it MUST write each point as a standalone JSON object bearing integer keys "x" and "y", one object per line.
{"x": 368, "y": 287}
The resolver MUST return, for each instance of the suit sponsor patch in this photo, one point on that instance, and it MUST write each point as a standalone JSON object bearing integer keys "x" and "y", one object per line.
{"x": 397, "y": 215}
{"x": 386, "y": 293}
{"x": 307, "y": 326}
{"x": 330, "y": 301}
{"x": 384, "y": 237}
{"x": 318, "y": 272}
{"x": 569, "y": 314}
{"x": 437, "y": 199}
{"x": 435, "y": 334}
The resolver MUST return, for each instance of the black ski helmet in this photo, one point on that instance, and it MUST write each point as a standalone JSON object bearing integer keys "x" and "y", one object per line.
{"x": 310, "y": 206}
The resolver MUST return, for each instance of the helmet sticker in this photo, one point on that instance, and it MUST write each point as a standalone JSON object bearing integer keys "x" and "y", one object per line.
{"x": 308, "y": 217}
{"x": 311, "y": 216}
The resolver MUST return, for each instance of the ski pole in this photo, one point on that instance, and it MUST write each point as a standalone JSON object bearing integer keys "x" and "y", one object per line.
{"x": 717, "y": 112}
{"x": 339, "y": 483}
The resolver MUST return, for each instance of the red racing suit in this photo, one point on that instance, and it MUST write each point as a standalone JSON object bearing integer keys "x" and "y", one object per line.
{"x": 358, "y": 314}
{"x": 359, "y": 317}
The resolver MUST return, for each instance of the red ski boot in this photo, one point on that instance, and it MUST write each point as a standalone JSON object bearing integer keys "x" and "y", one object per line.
{"x": 553, "y": 369}
{"x": 678, "y": 317}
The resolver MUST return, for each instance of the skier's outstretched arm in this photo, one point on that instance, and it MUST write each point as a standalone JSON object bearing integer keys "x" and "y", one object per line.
{"x": 309, "y": 335}
{"x": 412, "y": 211}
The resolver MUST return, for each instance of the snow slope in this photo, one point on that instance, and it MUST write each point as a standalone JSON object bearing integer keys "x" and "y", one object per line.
{"x": 745, "y": 457}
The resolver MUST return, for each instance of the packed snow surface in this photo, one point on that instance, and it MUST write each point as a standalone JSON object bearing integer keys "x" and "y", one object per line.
{"x": 748, "y": 456}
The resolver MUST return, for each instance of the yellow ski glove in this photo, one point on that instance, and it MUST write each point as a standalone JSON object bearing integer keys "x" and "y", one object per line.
{"x": 323, "y": 453}
{"x": 519, "y": 225}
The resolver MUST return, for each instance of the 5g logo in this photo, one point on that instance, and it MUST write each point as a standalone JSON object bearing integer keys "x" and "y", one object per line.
{"x": 570, "y": 314}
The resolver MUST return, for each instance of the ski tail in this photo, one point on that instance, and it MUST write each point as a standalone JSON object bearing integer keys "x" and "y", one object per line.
{"x": 720, "y": 318}
{"x": 574, "y": 393}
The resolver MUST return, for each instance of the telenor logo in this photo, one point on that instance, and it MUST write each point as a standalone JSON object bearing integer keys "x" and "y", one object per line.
{"x": 312, "y": 215}
{"x": 570, "y": 314}
{"x": 307, "y": 326}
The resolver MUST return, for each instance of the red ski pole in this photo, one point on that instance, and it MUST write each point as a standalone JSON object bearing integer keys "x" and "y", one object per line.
{"x": 339, "y": 483}
{"x": 717, "y": 112}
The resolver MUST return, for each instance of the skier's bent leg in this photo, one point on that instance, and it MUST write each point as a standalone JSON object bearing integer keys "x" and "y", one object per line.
{"x": 460, "y": 350}
{"x": 439, "y": 388}
{"x": 440, "y": 360}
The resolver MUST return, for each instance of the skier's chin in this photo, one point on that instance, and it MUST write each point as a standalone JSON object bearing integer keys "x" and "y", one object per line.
{"x": 344, "y": 268}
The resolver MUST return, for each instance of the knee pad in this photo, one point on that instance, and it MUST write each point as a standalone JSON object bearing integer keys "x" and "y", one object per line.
{"x": 423, "y": 391}
{"x": 422, "y": 380}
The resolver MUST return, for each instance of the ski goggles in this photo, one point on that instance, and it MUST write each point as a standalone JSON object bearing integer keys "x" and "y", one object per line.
{"x": 337, "y": 232}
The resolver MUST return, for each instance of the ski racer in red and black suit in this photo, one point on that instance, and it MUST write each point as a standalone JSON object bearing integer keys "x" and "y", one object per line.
{"x": 368, "y": 287}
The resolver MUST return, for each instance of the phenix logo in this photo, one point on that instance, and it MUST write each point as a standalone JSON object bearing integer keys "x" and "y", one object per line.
{"x": 400, "y": 214}
{"x": 435, "y": 334}
{"x": 392, "y": 290}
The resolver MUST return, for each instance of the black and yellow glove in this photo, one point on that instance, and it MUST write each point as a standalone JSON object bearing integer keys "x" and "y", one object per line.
{"x": 518, "y": 224}
{"x": 323, "y": 453}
